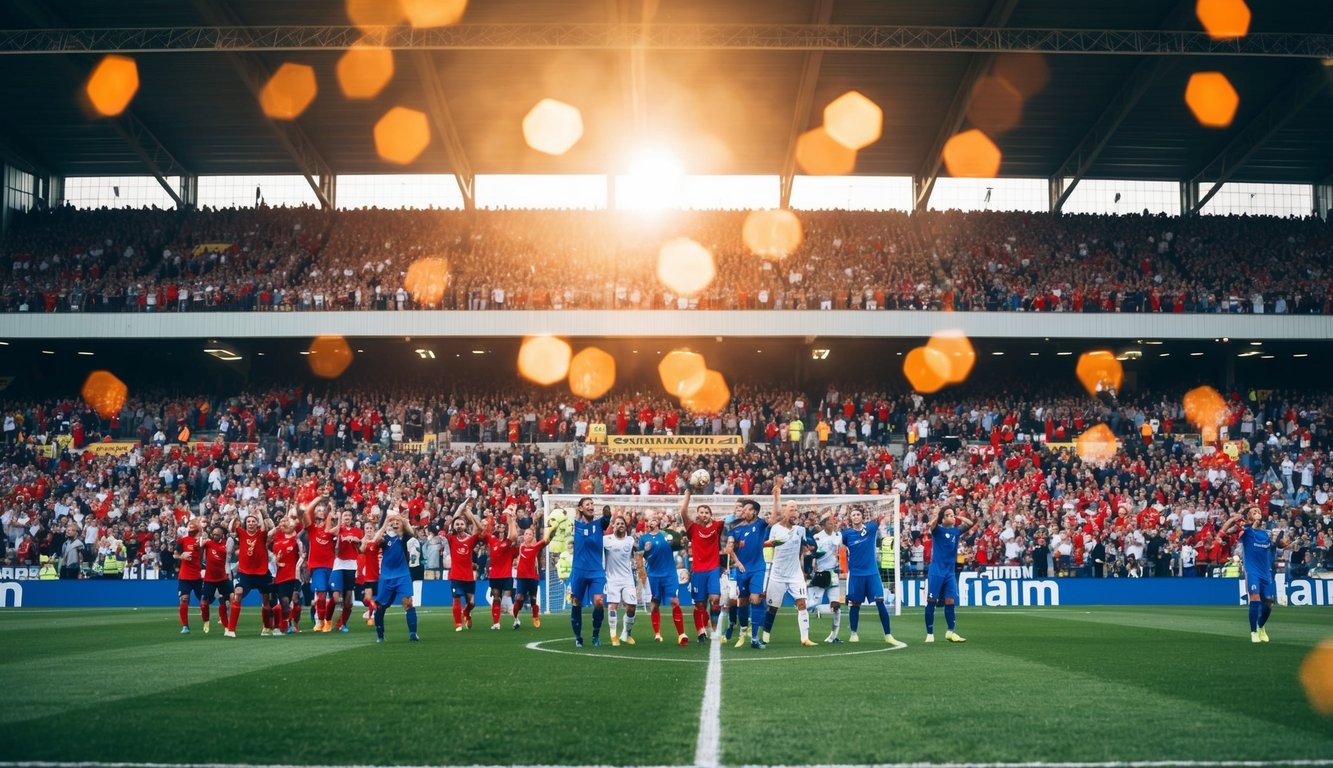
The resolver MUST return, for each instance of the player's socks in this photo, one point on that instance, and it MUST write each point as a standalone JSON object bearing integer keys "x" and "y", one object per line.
{"x": 733, "y": 615}
{"x": 576, "y": 622}
{"x": 883, "y": 615}
{"x": 700, "y": 617}
{"x": 517, "y": 608}
{"x": 1264, "y": 613}
{"x": 714, "y": 613}
{"x": 235, "y": 616}
{"x": 458, "y": 614}
{"x": 266, "y": 616}
{"x": 803, "y": 624}
{"x": 629, "y": 626}
{"x": 467, "y": 614}
{"x": 495, "y": 613}
{"x": 222, "y": 616}
{"x": 854, "y": 618}
{"x": 769, "y": 617}
{"x": 185, "y": 614}
{"x": 294, "y": 616}
{"x": 346, "y": 613}
{"x": 678, "y": 618}
{"x": 203, "y": 612}
{"x": 379, "y": 621}
{"x": 757, "y": 617}
{"x": 930, "y": 618}
{"x": 319, "y": 610}
{"x": 598, "y": 616}
{"x": 837, "y": 622}
{"x": 655, "y": 617}
{"x": 1256, "y": 609}
{"x": 615, "y": 626}
{"x": 329, "y": 605}
{"x": 949, "y": 615}
{"x": 536, "y": 615}
{"x": 412, "y": 620}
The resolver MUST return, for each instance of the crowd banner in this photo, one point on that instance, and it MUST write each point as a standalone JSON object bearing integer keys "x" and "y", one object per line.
{"x": 673, "y": 443}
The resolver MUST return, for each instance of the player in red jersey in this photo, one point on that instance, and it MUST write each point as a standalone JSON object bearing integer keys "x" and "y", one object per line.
{"x": 529, "y": 575}
{"x": 348, "y": 547}
{"x": 368, "y": 569}
{"x": 462, "y": 578}
{"x": 500, "y": 570}
{"x": 288, "y": 555}
{"x": 251, "y": 565}
{"x": 190, "y": 579}
{"x": 322, "y": 527}
{"x": 705, "y": 535}
{"x": 216, "y": 583}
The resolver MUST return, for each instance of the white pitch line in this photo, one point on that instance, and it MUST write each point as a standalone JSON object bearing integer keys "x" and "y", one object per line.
{"x": 1113, "y": 764}
{"x": 538, "y": 645}
{"x": 708, "y": 751}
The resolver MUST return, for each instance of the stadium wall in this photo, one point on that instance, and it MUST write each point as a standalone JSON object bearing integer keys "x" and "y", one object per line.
{"x": 973, "y": 591}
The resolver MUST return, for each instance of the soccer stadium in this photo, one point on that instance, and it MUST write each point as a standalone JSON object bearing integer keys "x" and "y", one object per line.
{"x": 666, "y": 383}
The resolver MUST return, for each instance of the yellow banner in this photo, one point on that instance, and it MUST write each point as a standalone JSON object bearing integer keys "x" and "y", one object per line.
{"x": 109, "y": 449}
{"x": 673, "y": 443}
{"x": 203, "y": 248}
{"x": 597, "y": 433}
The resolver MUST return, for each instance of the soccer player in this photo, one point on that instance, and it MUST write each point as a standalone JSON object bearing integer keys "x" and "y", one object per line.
{"x": 663, "y": 585}
{"x": 251, "y": 566}
{"x": 368, "y": 570}
{"x": 462, "y": 576}
{"x": 216, "y": 583}
{"x": 395, "y": 580}
{"x": 946, "y": 527}
{"x": 288, "y": 557}
{"x": 587, "y": 578}
{"x": 502, "y": 547}
{"x": 786, "y": 576}
{"x": 529, "y": 575}
{"x": 190, "y": 579}
{"x": 747, "y": 546}
{"x": 621, "y": 563}
{"x": 322, "y": 526}
{"x": 861, "y": 539}
{"x": 705, "y": 536}
{"x": 346, "y": 549}
{"x": 826, "y": 581}
{"x": 1257, "y": 557}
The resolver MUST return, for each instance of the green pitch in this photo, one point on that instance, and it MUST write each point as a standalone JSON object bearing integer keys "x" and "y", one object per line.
{"x": 1031, "y": 685}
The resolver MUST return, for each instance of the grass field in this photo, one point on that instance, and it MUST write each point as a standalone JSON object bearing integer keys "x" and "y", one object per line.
{"x": 1031, "y": 685}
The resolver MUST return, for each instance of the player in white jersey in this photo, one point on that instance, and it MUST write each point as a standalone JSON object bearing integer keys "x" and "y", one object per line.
{"x": 828, "y": 543}
{"x": 785, "y": 576}
{"x": 622, "y": 563}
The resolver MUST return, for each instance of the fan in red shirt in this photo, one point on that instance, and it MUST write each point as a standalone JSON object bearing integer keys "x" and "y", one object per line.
{"x": 216, "y": 584}
{"x": 705, "y": 536}
{"x": 251, "y": 566}
{"x": 500, "y": 572}
{"x": 462, "y": 578}
{"x": 190, "y": 580}
{"x": 368, "y": 570}
{"x": 287, "y": 556}
{"x": 529, "y": 574}
{"x": 348, "y": 546}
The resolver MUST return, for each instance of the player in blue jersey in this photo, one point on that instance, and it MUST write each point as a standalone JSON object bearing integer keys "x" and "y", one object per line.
{"x": 659, "y": 558}
{"x": 861, "y": 538}
{"x": 946, "y": 527}
{"x": 745, "y": 543}
{"x": 587, "y": 579}
{"x": 395, "y": 577}
{"x": 1257, "y": 546}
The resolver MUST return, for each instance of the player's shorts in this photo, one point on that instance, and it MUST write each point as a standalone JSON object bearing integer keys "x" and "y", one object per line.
{"x": 863, "y": 589}
{"x": 217, "y": 590}
{"x": 942, "y": 586}
{"x": 751, "y": 582}
{"x": 503, "y": 583}
{"x": 780, "y": 588}
{"x": 344, "y": 579}
{"x": 729, "y": 589}
{"x": 391, "y": 590}
{"x": 460, "y": 588}
{"x": 528, "y": 588}
{"x": 372, "y": 586}
{"x": 584, "y": 586}
{"x": 321, "y": 579}
{"x": 663, "y": 588}
{"x": 832, "y": 589}
{"x": 187, "y": 587}
{"x": 418, "y": 572}
{"x": 248, "y": 582}
{"x": 705, "y": 583}
{"x": 287, "y": 588}
{"x": 1264, "y": 588}
{"x": 622, "y": 592}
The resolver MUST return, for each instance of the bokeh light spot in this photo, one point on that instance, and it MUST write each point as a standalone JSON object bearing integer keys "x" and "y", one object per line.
{"x": 1212, "y": 99}
{"x": 364, "y": 70}
{"x": 819, "y": 155}
{"x": 1223, "y": 19}
{"x": 426, "y": 281}
{"x": 104, "y": 393}
{"x": 972, "y": 154}
{"x": 683, "y": 372}
{"x": 853, "y": 120}
{"x": 1028, "y": 73}
{"x": 957, "y": 350}
{"x": 402, "y": 135}
{"x": 772, "y": 233}
{"x": 112, "y": 84}
{"x": 685, "y": 267}
{"x": 544, "y": 359}
{"x": 329, "y": 356}
{"x": 1317, "y": 677}
{"x": 1099, "y": 371}
{"x": 996, "y": 105}
{"x": 424, "y": 14}
{"x": 552, "y": 127}
{"x": 1206, "y": 409}
{"x": 1097, "y": 445}
{"x": 592, "y": 373}
{"x": 926, "y": 369}
{"x": 289, "y": 92}
{"x": 712, "y": 396}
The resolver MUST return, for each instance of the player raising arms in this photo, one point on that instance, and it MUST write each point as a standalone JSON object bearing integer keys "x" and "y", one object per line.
{"x": 501, "y": 548}
{"x": 216, "y": 583}
{"x": 251, "y": 565}
{"x": 946, "y": 527}
{"x": 1257, "y": 557}
{"x": 663, "y": 585}
{"x": 322, "y": 527}
{"x": 786, "y": 577}
{"x": 825, "y": 581}
{"x": 705, "y": 536}
{"x": 529, "y": 576}
{"x": 861, "y": 539}
{"x": 190, "y": 579}
{"x": 395, "y": 580}
{"x": 621, "y": 562}
{"x": 288, "y": 556}
{"x": 587, "y": 579}
{"x": 368, "y": 567}
{"x": 746, "y": 543}
{"x": 347, "y": 547}
{"x": 462, "y": 576}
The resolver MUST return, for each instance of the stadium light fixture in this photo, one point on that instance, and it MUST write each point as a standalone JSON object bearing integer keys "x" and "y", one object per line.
{"x": 222, "y": 353}
{"x": 819, "y": 354}
{"x": 427, "y": 354}
{"x": 1196, "y": 354}
{"x": 1251, "y": 353}
{"x": 1301, "y": 354}
{"x": 86, "y": 354}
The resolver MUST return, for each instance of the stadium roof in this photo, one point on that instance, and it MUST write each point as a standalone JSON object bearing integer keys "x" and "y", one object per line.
{"x": 728, "y": 85}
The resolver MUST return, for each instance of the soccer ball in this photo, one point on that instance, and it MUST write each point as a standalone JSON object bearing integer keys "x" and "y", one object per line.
{"x": 698, "y": 479}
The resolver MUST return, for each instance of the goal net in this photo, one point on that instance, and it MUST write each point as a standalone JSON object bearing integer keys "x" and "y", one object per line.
{"x": 560, "y": 510}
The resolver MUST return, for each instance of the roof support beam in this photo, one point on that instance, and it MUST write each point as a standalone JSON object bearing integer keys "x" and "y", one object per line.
{"x": 443, "y": 120}
{"x": 999, "y": 14}
{"x": 1286, "y": 105}
{"x": 805, "y": 104}
{"x": 255, "y": 74}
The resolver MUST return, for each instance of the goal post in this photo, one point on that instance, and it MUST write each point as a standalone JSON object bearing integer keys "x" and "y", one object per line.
{"x": 559, "y": 509}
